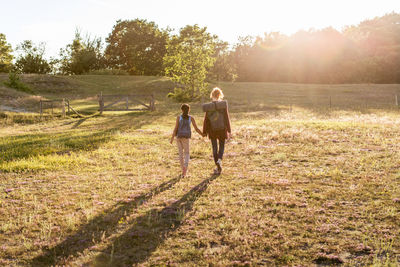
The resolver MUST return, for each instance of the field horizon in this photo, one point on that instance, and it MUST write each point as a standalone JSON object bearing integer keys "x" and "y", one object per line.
{"x": 310, "y": 178}
{"x": 84, "y": 89}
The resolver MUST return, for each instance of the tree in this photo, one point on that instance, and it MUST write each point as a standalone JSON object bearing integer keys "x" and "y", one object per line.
{"x": 224, "y": 68}
{"x": 378, "y": 41}
{"x": 82, "y": 55}
{"x": 368, "y": 52}
{"x": 32, "y": 58}
{"x": 5, "y": 54}
{"x": 137, "y": 46}
{"x": 241, "y": 55}
{"x": 187, "y": 61}
{"x": 268, "y": 58}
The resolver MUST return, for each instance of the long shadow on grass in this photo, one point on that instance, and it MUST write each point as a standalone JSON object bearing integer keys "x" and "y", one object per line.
{"x": 136, "y": 244}
{"x": 79, "y": 122}
{"x": 102, "y": 226}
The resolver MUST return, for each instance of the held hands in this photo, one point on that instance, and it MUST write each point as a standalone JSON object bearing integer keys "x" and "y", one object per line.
{"x": 203, "y": 134}
{"x": 172, "y": 140}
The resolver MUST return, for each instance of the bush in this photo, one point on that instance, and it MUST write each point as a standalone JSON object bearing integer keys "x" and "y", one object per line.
{"x": 180, "y": 95}
{"x": 15, "y": 82}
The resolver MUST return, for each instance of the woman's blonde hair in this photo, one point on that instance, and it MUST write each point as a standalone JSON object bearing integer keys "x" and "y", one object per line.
{"x": 216, "y": 93}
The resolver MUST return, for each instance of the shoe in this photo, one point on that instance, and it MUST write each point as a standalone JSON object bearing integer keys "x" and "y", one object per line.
{"x": 216, "y": 172}
{"x": 219, "y": 165}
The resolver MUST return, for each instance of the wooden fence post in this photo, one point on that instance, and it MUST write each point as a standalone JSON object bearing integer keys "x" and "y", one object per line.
{"x": 101, "y": 103}
{"x": 52, "y": 110}
{"x": 41, "y": 109}
{"x": 127, "y": 102}
{"x": 63, "y": 107}
{"x": 152, "y": 104}
{"x": 68, "y": 106}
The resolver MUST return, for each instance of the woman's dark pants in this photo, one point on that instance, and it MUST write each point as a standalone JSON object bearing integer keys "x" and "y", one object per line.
{"x": 218, "y": 151}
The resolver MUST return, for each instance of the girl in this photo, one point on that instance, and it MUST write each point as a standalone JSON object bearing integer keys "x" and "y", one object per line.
{"x": 183, "y": 132}
{"x": 217, "y": 125}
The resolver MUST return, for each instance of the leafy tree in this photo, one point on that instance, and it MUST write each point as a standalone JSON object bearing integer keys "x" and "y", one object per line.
{"x": 82, "y": 55}
{"x": 189, "y": 57}
{"x": 32, "y": 58}
{"x": 137, "y": 46}
{"x": 241, "y": 55}
{"x": 5, "y": 54}
{"x": 368, "y": 52}
{"x": 224, "y": 68}
{"x": 378, "y": 41}
{"x": 266, "y": 59}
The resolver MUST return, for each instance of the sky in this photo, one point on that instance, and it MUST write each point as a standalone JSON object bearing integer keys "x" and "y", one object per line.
{"x": 55, "y": 21}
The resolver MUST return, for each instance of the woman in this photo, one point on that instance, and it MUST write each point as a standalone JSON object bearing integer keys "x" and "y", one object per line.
{"x": 217, "y": 125}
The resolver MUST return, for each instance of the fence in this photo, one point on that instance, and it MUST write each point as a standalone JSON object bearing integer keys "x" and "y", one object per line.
{"x": 54, "y": 103}
{"x": 127, "y": 100}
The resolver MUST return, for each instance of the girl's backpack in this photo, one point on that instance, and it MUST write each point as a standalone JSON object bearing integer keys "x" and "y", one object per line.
{"x": 215, "y": 112}
{"x": 184, "y": 129}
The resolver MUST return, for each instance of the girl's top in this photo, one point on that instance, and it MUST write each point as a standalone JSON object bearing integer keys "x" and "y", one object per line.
{"x": 217, "y": 134}
{"x": 184, "y": 130}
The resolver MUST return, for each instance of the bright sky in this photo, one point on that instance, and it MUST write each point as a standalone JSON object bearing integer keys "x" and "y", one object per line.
{"x": 55, "y": 21}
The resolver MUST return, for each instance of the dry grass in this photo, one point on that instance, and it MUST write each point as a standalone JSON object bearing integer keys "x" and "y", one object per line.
{"x": 302, "y": 187}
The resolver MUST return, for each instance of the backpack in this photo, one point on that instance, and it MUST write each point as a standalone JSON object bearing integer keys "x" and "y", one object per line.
{"x": 215, "y": 112}
{"x": 184, "y": 129}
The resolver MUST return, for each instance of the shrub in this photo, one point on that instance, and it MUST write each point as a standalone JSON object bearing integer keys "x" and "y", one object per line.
{"x": 15, "y": 82}
{"x": 180, "y": 95}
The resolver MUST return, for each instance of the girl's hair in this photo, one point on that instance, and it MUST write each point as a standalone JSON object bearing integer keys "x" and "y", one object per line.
{"x": 185, "y": 110}
{"x": 216, "y": 93}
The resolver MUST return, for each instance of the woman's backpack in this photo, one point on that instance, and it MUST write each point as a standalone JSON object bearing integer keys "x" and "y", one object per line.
{"x": 184, "y": 129}
{"x": 215, "y": 112}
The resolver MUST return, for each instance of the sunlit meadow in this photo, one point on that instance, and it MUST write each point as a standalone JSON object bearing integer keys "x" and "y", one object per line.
{"x": 310, "y": 177}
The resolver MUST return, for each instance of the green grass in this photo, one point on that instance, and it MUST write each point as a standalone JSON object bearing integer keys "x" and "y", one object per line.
{"x": 302, "y": 186}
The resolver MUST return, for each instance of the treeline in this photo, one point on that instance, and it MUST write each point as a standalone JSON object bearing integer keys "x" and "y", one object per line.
{"x": 364, "y": 53}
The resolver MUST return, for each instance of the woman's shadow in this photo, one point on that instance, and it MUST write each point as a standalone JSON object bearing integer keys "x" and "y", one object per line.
{"x": 138, "y": 242}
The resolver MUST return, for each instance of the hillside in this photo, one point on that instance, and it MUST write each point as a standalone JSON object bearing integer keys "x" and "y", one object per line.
{"x": 81, "y": 90}
{"x": 88, "y": 85}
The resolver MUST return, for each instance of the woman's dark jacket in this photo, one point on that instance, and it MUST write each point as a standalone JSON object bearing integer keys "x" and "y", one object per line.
{"x": 220, "y": 134}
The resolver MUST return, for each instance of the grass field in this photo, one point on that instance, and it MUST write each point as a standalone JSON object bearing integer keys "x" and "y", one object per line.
{"x": 303, "y": 183}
